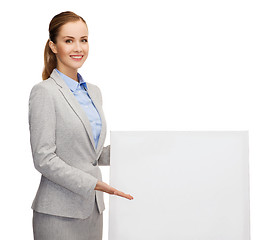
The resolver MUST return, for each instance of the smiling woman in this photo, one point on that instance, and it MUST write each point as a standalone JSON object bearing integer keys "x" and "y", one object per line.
{"x": 71, "y": 48}
{"x": 67, "y": 134}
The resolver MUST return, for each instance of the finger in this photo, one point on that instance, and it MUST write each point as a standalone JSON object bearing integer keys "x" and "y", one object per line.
{"x": 121, "y": 194}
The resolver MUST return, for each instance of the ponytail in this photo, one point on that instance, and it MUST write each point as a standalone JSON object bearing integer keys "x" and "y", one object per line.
{"x": 49, "y": 61}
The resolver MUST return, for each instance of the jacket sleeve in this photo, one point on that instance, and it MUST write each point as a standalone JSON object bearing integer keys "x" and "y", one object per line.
{"x": 42, "y": 124}
{"x": 104, "y": 158}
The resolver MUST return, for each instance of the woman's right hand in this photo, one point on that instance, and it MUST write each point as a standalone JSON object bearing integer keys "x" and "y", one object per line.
{"x": 104, "y": 187}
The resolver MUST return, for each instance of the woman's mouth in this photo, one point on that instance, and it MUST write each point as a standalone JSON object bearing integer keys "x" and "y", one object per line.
{"x": 76, "y": 57}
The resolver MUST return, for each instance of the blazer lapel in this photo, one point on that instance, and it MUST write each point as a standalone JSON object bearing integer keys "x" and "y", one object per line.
{"x": 75, "y": 105}
{"x": 98, "y": 106}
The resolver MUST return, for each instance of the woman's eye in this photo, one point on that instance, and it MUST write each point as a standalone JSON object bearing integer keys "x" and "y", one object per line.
{"x": 69, "y": 40}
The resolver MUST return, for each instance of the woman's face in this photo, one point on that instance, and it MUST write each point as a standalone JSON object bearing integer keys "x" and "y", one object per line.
{"x": 71, "y": 48}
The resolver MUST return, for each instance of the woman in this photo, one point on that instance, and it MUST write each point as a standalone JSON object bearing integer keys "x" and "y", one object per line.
{"x": 67, "y": 134}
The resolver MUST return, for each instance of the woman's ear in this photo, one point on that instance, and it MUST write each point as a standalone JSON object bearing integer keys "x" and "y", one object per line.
{"x": 52, "y": 46}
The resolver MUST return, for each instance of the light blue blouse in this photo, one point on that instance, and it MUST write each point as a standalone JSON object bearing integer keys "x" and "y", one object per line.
{"x": 79, "y": 91}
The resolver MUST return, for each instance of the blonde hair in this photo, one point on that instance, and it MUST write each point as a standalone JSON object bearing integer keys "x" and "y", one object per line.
{"x": 56, "y": 23}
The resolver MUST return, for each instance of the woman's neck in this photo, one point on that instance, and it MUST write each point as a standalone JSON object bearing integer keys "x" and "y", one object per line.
{"x": 72, "y": 73}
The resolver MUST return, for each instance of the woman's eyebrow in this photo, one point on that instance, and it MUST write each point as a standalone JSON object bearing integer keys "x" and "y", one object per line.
{"x": 73, "y": 37}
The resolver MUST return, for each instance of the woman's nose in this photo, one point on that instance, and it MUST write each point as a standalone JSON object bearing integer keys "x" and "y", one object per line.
{"x": 78, "y": 47}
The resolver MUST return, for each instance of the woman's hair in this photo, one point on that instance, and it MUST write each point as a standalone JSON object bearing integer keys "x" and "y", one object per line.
{"x": 56, "y": 23}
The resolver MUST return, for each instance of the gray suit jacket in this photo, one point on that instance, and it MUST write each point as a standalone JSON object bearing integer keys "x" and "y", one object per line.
{"x": 63, "y": 149}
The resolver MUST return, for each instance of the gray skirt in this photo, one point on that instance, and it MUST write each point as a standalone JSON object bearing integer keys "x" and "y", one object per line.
{"x": 50, "y": 227}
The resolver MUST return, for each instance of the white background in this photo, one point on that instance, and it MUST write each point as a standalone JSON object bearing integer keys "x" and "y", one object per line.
{"x": 161, "y": 65}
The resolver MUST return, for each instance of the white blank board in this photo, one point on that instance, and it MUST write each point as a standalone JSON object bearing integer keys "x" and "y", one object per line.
{"x": 186, "y": 185}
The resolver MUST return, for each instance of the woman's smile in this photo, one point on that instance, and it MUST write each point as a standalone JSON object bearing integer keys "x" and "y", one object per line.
{"x": 76, "y": 57}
